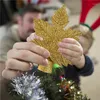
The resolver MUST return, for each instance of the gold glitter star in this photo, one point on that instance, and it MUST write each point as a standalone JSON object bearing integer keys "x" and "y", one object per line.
{"x": 53, "y": 33}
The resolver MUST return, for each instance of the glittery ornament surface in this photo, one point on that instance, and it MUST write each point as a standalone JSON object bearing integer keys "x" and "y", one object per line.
{"x": 29, "y": 86}
{"x": 54, "y": 33}
{"x": 47, "y": 69}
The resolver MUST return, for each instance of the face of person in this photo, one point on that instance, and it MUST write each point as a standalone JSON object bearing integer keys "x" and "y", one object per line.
{"x": 27, "y": 24}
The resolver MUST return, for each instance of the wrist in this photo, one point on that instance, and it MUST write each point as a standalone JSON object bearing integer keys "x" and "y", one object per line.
{"x": 81, "y": 62}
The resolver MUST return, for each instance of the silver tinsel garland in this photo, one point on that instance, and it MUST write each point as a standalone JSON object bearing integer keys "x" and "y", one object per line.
{"x": 29, "y": 86}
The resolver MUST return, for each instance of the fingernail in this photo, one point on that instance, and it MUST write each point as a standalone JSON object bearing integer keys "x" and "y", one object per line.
{"x": 65, "y": 39}
{"x": 32, "y": 37}
{"x": 59, "y": 43}
{"x": 59, "y": 49}
{"x": 38, "y": 37}
{"x": 45, "y": 62}
{"x": 41, "y": 38}
{"x": 46, "y": 54}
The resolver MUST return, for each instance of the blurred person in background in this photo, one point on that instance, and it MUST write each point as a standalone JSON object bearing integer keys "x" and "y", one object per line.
{"x": 87, "y": 39}
{"x": 87, "y": 29}
{"x": 18, "y": 30}
{"x": 16, "y": 33}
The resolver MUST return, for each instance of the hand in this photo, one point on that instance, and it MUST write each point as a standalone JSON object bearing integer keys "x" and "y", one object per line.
{"x": 73, "y": 51}
{"x": 69, "y": 48}
{"x": 34, "y": 36}
{"x": 20, "y": 57}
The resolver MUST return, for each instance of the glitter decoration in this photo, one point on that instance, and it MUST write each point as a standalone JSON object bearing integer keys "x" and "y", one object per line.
{"x": 60, "y": 17}
{"x": 46, "y": 69}
{"x": 29, "y": 86}
{"x": 54, "y": 33}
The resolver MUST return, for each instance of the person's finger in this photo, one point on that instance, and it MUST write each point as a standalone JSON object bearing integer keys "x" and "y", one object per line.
{"x": 34, "y": 36}
{"x": 70, "y": 40}
{"x": 32, "y": 47}
{"x": 28, "y": 56}
{"x": 72, "y": 59}
{"x": 9, "y": 74}
{"x": 14, "y": 64}
{"x": 69, "y": 52}
{"x": 67, "y": 57}
{"x": 31, "y": 37}
{"x": 28, "y": 39}
{"x": 38, "y": 37}
{"x": 72, "y": 47}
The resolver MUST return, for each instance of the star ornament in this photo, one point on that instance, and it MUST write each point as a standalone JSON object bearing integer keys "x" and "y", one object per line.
{"x": 52, "y": 34}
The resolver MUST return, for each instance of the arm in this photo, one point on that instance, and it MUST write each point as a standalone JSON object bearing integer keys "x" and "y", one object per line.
{"x": 88, "y": 67}
{"x": 4, "y": 47}
{"x": 4, "y": 95}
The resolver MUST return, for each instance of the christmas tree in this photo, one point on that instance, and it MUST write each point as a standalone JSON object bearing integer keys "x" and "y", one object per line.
{"x": 48, "y": 82}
